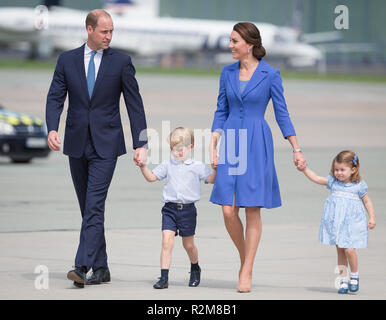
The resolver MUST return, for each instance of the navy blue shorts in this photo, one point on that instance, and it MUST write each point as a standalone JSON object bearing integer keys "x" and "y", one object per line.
{"x": 181, "y": 221}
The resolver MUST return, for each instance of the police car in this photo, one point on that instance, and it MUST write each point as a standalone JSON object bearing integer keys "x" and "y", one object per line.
{"x": 22, "y": 137}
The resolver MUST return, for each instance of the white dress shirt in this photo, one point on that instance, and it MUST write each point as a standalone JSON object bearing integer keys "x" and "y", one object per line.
{"x": 182, "y": 180}
{"x": 97, "y": 59}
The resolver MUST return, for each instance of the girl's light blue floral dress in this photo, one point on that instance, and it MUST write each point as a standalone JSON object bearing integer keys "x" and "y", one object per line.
{"x": 344, "y": 220}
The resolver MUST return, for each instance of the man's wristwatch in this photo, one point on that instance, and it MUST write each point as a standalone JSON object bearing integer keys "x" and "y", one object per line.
{"x": 297, "y": 150}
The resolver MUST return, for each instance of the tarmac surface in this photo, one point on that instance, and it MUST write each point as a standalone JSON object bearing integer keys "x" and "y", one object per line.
{"x": 40, "y": 219}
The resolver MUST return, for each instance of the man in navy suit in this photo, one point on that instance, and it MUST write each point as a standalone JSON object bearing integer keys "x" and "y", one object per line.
{"x": 94, "y": 76}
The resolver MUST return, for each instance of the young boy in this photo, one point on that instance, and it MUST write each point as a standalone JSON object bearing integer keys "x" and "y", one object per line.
{"x": 182, "y": 189}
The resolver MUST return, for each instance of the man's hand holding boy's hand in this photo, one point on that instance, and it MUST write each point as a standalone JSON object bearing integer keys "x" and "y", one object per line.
{"x": 140, "y": 156}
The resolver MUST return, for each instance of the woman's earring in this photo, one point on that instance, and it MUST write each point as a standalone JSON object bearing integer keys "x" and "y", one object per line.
{"x": 249, "y": 49}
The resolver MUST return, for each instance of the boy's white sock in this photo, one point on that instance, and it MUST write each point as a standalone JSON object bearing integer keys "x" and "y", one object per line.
{"x": 354, "y": 274}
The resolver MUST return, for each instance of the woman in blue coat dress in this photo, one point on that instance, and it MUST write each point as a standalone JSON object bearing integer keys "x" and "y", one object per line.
{"x": 246, "y": 175}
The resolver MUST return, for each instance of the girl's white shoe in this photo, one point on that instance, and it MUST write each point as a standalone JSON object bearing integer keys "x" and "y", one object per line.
{"x": 343, "y": 286}
{"x": 353, "y": 284}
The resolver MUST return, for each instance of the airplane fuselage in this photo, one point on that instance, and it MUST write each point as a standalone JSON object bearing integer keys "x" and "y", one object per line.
{"x": 64, "y": 29}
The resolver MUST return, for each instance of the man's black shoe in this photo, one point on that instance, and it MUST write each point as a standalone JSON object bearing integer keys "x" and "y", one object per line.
{"x": 78, "y": 275}
{"x": 195, "y": 276}
{"x": 78, "y": 284}
{"x": 98, "y": 276}
{"x": 161, "y": 284}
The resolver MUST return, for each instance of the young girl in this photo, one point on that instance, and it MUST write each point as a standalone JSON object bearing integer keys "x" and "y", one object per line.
{"x": 344, "y": 219}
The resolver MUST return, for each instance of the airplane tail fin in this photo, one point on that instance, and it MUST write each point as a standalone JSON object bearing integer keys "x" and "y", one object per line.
{"x": 137, "y": 8}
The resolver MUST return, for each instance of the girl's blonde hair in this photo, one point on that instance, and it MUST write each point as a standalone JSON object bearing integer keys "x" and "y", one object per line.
{"x": 351, "y": 159}
{"x": 181, "y": 136}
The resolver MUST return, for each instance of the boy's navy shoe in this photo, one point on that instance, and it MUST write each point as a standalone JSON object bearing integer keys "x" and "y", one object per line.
{"x": 98, "y": 276}
{"x": 78, "y": 275}
{"x": 353, "y": 285}
{"x": 161, "y": 284}
{"x": 195, "y": 276}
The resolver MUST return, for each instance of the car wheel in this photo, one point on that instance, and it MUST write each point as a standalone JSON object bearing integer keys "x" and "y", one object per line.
{"x": 21, "y": 159}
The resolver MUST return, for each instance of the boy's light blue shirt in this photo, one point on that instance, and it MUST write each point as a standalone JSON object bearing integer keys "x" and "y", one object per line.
{"x": 183, "y": 180}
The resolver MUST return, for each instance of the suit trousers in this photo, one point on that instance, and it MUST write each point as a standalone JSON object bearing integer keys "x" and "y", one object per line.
{"x": 91, "y": 176}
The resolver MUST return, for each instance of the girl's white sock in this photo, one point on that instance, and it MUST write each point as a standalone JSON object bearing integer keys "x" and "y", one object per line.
{"x": 354, "y": 274}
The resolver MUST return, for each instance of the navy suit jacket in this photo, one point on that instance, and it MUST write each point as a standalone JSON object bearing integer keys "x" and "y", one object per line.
{"x": 100, "y": 113}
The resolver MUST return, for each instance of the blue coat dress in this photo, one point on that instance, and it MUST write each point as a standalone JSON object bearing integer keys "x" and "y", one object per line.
{"x": 246, "y": 170}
